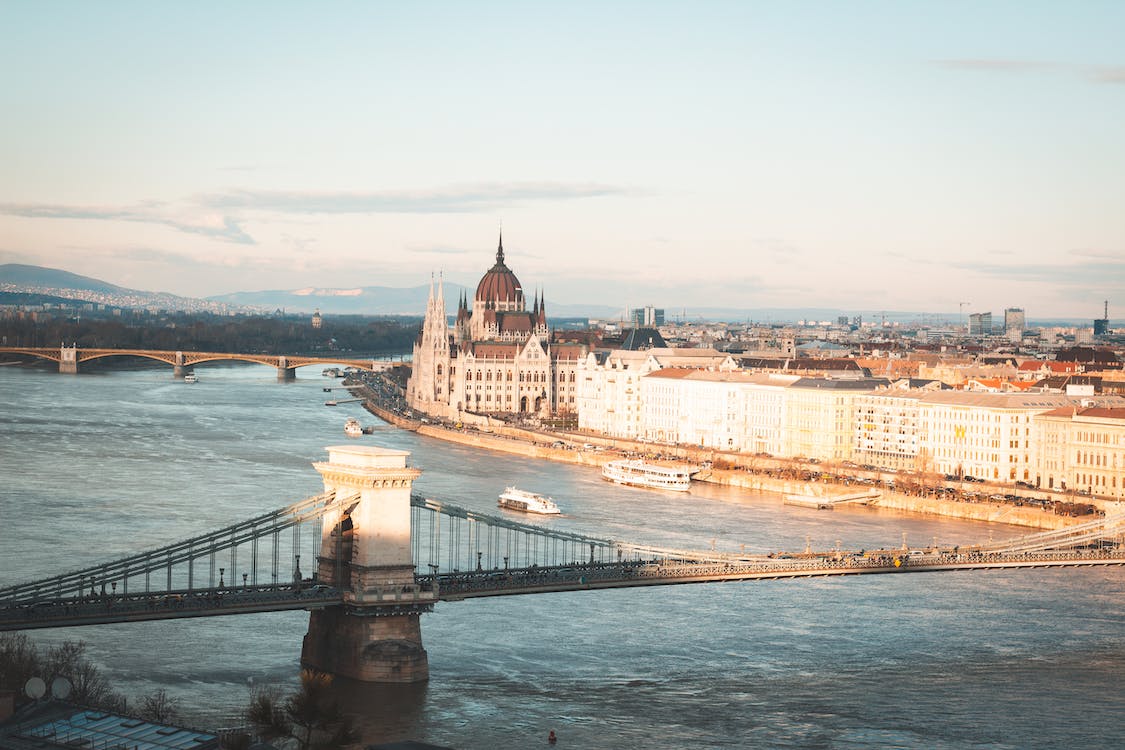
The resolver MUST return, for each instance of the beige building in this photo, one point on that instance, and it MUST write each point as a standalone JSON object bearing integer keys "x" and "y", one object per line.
{"x": 1082, "y": 449}
{"x": 783, "y": 415}
{"x": 886, "y": 430}
{"x": 724, "y": 410}
{"x": 609, "y": 395}
{"x": 989, "y": 436}
{"x": 820, "y": 417}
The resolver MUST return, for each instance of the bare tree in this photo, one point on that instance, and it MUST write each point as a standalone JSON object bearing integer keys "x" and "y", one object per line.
{"x": 19, "y": 661}
{"x": 160, "y": 707}
{"x": 311, "y": 716}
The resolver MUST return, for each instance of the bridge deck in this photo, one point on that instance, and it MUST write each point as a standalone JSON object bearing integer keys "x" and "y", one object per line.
{"x": 99, "y": 610}
{"x": 457, "y": 586}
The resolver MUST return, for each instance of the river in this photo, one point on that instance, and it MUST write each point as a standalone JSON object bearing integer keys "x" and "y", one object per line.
{"x": 95, "y": 466}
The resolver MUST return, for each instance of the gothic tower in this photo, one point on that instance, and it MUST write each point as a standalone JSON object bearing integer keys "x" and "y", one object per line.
{"x": 429, "y": 378}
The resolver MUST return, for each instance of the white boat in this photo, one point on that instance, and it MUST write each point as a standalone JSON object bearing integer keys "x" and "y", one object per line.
{"x": 527, "y": 502}
{"x": 352, "y": 428}
{"x": 191, "y": 378}
{"x": 637, "y": 473}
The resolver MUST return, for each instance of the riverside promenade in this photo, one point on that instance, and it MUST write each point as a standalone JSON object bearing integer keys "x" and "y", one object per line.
{"x": 759, "y": 474}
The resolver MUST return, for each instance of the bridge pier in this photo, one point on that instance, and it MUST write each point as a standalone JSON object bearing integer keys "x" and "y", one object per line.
{"x": 376, "y": 635}
{"x": 68, "y": 360}
{"x": 178, "y": 368}
{"x": 284, "y": 372}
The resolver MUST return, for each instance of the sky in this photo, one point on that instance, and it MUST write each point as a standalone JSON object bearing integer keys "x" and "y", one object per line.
{"x": 938, "y": 157}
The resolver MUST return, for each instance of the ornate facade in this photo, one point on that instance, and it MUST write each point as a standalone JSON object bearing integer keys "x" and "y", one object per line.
{"x": 496, "y": 359}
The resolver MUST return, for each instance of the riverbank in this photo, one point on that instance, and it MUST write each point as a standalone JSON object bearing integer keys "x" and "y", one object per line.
{"x": 530, "y": 443}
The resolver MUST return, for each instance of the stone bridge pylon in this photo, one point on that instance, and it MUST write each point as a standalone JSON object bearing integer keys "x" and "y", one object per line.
{"x": 375, "y": 636}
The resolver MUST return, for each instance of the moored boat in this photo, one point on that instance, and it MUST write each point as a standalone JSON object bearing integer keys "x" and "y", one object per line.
{"x": 527, "y": 502}
{"x": 352, "y": 428}
{"x": 637, "y": 473}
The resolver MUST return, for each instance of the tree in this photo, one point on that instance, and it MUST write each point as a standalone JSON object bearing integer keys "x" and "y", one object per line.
{"x": 21, "y": 659}
{"x": 88, "y": 685}
{"x": 311, "y": 716}
{"x": 160, "y": 707}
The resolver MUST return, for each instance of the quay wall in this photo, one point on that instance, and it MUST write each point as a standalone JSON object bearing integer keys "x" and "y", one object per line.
{"x": 531, "y": 444}
{"x": 1018, "y": 515}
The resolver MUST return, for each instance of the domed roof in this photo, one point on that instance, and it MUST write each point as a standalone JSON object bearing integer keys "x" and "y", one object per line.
{"x": 499, "y": 283}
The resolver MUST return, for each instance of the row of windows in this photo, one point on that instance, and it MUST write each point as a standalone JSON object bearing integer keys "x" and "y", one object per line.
{"x": 1094, "y": 459}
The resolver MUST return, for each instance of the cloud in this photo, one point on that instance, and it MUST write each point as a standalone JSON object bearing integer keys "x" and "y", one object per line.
{"x": 428, "y": 250}
{"x": 468, "y": 198}
{"x": 1118, "y": 257}
{"x": 1091, "y": 275}
{"x": 1108, "y": 75}
{"x": 209, "y": 225}
{"x": 220, "y": 215}
{"x": 999, "y": 65}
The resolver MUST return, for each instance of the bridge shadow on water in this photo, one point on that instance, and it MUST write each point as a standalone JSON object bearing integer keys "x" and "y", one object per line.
{"x": 382, "y": 713}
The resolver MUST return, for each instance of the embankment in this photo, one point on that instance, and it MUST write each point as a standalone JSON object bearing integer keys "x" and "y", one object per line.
{"x": 531, "y": 444}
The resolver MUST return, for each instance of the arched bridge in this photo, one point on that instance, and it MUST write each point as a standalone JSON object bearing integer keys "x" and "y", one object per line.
{"x": 70, "y": 358}
{"x": 377, "y": 556}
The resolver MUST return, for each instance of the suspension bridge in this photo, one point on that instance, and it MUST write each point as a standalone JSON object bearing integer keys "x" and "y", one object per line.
{"x": 377, "y": 556}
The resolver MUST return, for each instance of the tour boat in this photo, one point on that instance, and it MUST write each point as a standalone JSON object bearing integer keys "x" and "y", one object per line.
{"x": 352, "y": 427}
{"x": 191, "y": 378}
{"x": 637, "y": 473}
{"x": 527, "y": 502}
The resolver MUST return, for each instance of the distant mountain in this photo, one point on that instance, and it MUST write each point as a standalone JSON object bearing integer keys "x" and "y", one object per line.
{"x": 368, "y": 300}
{"x": 40, "y": 285}
{"x": 381, "y": 300}
{"x": 53, "y": 278}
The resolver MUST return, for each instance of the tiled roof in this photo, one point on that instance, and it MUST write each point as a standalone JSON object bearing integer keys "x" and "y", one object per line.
{"x": 1035, "y": 365}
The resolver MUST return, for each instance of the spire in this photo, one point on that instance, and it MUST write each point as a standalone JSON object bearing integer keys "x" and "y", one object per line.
{"x": 500, "y": 249}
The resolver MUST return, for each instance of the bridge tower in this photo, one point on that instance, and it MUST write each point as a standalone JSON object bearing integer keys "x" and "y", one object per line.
{"x": 375, "y": 636}
{"x": 68, "y": 359}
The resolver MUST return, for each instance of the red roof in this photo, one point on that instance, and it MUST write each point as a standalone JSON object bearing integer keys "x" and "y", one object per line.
{"x": 1035, "y": 365}
{"x": 499, "y": 283}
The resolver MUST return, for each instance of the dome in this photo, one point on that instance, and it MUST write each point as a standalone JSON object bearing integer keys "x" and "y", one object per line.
{"x": 500, "y": 286}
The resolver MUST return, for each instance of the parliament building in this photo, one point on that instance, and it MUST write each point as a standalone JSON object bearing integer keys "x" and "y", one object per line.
{"x": 497, "y": 358}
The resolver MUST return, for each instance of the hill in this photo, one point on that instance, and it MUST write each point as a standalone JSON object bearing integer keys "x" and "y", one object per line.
{"x": 22, "y": 275}
{"x": 379, "y": 300}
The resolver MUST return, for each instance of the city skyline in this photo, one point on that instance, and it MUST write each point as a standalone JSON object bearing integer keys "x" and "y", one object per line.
{"x": 863, "y": 156}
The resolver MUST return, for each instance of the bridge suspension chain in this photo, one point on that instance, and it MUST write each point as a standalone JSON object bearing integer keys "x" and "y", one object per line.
{"x": 1108, "y": 528}
{"x": 449, "y": 538}
{"x": 78, "y": 582}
